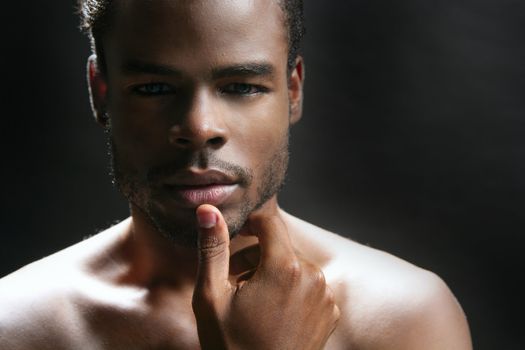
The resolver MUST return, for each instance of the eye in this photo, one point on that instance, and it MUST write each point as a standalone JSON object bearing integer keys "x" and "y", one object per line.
{"x": 154, "y": 89}
{"x": 242, "y": 89}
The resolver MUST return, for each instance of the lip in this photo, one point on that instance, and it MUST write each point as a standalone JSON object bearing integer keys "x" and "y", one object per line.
{"x": 203, "y": 178}
{"x": 191, "y": 189}
{"x": 193, "y": 196}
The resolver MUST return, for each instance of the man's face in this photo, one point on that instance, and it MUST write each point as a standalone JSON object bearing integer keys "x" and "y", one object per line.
{"x": 199, "y": 102}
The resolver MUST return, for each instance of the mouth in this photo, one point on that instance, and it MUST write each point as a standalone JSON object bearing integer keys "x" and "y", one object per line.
{"x": 193, "y": 196}
{"x": 191, "y": 189}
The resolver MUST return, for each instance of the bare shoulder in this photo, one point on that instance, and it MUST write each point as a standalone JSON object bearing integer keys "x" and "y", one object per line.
{"x": 386, "y": 302}
{"x": 37, "y": 302}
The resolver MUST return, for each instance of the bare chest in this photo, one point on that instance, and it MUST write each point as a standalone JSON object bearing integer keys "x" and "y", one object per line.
{"x": 169, "y": 326}
{"x": 154, "y": 324}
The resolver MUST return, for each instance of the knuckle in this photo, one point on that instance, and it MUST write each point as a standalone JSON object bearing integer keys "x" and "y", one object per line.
{"x": 315, "y": 277}
{"x": 293, "y": 270}
{"x": 336, "y": 314}
{"x": 318, "y": 278}
{"x": 210, "y": 248}
{"x": 330, "y": 296}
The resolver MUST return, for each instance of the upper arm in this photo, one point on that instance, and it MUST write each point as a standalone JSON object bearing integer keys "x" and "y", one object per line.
{"x": 429, "y": 318}
{"x": 400, "y": 311}
{"x": 32, "y": 313}
{"x": 438, "y": 322}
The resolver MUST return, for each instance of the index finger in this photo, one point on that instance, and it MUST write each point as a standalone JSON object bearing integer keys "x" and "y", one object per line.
{"x": 213, "y": 249}
{"x": 274, "y": 240}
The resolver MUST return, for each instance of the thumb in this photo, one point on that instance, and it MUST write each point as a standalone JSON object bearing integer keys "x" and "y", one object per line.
{"x": 213, "y": 251}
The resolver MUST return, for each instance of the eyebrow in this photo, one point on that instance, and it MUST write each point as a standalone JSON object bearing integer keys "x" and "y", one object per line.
{"x": 140, "y": 67}
{"x": 245, "y": 70}
{"x": 252, "y": 69}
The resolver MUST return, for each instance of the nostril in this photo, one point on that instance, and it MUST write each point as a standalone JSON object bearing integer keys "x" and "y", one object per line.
{"x": 216, "y": 141}
{"x": 186, "y": 142}
{"x": 182, "y": 141}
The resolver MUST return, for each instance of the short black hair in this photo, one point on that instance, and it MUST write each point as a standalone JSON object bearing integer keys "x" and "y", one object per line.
{"x": 96, "y": 17}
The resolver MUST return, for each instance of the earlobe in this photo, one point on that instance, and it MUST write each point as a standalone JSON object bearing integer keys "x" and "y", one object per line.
{"x": 295, "y": 90}
{"x": 97, "y": 91}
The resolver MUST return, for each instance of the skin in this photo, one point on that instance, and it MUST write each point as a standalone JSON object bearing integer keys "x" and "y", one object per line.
{"x": 281, "y": 283}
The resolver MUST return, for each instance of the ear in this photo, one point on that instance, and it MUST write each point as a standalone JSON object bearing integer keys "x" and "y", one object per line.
{"x": 295, "y": 90}
{"x": 98, "y": 89}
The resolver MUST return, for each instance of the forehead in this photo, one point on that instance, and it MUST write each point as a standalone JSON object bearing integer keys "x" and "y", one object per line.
{"x": 190, "y": 29}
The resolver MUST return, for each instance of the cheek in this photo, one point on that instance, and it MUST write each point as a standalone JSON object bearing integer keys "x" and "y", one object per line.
{"x": 139, "y": 133}
{"x": 259, "y": 129}
{"x": 260, "y": 150}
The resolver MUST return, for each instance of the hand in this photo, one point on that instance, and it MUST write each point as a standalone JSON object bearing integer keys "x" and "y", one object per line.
{"x": 284, "y": 304}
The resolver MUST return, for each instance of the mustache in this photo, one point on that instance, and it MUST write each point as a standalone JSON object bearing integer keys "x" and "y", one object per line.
{"x": 203, "y": 160}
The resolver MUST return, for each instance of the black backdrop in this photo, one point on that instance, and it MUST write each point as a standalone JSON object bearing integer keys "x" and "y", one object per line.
{"x": 412, "y": 141}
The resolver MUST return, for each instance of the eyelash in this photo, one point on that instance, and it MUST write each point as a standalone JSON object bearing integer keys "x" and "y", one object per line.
{"x": 234, "y": 89}
{"x": 162, "y": 89}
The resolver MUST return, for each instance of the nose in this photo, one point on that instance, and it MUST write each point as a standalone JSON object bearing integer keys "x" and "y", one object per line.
{"x": 200, "y": 126}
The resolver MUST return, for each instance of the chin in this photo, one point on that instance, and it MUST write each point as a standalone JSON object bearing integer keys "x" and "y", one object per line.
{"x": 182, "y": 230}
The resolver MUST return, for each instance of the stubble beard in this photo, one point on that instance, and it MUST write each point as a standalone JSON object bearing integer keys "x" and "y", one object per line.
{"x": 138, "y": 192}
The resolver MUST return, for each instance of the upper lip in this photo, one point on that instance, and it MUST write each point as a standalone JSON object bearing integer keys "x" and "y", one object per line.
{"x": 199, "y": 178}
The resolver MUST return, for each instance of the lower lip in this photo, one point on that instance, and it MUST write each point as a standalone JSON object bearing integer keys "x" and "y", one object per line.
{"x": 193, "y": 196}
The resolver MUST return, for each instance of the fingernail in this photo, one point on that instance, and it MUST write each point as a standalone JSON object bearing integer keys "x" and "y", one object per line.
{"x": 207, "y": 220}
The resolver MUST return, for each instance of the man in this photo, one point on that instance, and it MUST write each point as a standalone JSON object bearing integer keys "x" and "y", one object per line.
{"x": 197, "y": 97}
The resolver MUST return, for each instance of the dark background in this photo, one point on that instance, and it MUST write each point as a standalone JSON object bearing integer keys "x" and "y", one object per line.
{"x": 411, "y": 142}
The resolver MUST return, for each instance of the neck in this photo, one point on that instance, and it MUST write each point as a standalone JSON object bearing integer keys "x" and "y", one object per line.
{"x": 154, "y": 259}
